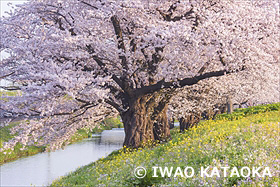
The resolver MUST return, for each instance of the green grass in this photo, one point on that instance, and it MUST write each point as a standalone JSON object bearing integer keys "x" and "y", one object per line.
{"x": 10, "y": 155}
{"x": 243, "y": 112}
{"x": 5, "y": 135}
{"x": 249, "y": 141}
{"x": 4, "y": 94}
{"x": 5, "y": 132}
{"x": 107, "y": 124}
{"x": 9, "y": 93}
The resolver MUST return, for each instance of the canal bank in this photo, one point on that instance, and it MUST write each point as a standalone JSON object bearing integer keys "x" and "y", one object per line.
{"x": 11, "y": 155}
{"x": 41, "y": 169}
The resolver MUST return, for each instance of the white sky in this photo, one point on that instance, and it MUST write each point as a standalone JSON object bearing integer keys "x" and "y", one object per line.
{"x": 4, "y": 5}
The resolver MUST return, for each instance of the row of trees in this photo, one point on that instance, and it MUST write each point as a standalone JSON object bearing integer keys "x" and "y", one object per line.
{"x": 79, "y": 61}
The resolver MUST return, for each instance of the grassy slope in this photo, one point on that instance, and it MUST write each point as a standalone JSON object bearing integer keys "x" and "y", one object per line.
{"x": 5, "y": 135}
{"x": 252, "y": 140}
{"x": 9, "y": 93}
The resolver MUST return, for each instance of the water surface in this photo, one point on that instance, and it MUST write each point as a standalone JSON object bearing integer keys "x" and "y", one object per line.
{"x": 43, "y": 168}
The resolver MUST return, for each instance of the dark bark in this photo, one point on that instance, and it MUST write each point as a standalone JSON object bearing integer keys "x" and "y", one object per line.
{"x": 169, "y": 15}
{"x": 189, "y": 122}
{"x": 212, "y": 113}
{"x": 229, "y": 105}
{"x": 182, "y": 123}
{"x": 118, "y": 31}
{"x": 145, "y": 121}
{"x": 209, "y": 114}
{"x": 161, "y": 127}
{"x": 171, "y": 123}
{"x": 137, "y": 124}
{"x": 181, "y": 83}
{"x": 4, "y": 76}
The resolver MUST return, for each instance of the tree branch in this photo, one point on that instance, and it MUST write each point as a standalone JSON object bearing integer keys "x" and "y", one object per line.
{"x": 181, "y": 83}
{"x": 168, "y": 16}
{"x": 10, "y": 88}
{"x": 106, "y": 71}
{"x": 114, "y": 104}
{"x": 118, "y": 32}
{"x": 4, "y": 76}
{"x": 89, "y": 5}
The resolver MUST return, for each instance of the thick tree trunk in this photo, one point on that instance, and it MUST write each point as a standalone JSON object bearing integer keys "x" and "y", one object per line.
{"x": 137, "y": 124}
{"x": 141, "y": 125}
{"x": 161, "y": 127}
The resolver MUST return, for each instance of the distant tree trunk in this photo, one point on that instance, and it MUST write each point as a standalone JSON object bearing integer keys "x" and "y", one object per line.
{"x": 208, "y": 114}
{"x": 220, "y": 109}
{"x": 212, "y": 113}
{"x": 171, "y": 123}
{"x": 183, "y": 124}
{"x": 229, "y": 105}
{"x": 223, "y": 109}
{"x": 189, "y": 121}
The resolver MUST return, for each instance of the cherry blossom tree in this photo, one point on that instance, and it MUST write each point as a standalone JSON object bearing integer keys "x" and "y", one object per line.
{"x": 79, "y": 61}
{"x": 209, "y": 97}
{"x": 242, "y": 88}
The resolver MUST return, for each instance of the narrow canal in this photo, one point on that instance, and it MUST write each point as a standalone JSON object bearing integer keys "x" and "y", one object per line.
{"x": 43, "y": 168}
